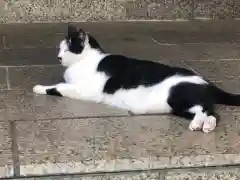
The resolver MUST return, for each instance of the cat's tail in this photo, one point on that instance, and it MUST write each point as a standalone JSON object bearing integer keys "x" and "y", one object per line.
{"x": 225, "y": 98}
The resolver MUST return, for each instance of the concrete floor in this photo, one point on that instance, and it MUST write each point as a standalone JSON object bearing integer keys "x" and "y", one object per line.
{"x": 45, "y": 135}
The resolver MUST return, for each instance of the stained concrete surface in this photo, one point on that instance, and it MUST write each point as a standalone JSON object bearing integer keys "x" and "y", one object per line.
{"x": 44, "y": 135}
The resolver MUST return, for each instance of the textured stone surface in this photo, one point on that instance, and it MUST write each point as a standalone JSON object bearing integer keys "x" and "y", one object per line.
{"x": 26, "y": 77}
{"x": 203, "y": 174}
{"x": 6, "y": 166}
{"x": 35, "y": 44}
{"x": 198, "y": 52}
{"x": 230, "y": 86}
{"x": 23, "y": 105}
{"x": 55, "y": 141}
{"x": 28, "y": 11}
{"x": 48, "y": 39}
{"x": 140, "y": 142}
{"x": 127, "y": 143}
{"x": 3, "y": 78}
{"x": 219, "y": 9}
{"x": 95, "y": 10}
{"x": 29, "y": 56}
{"x": 196, "y": 36}
{"x": 217, "y": 70}
{"x": 152, "y": 9}
{"x": 237, "y": 9}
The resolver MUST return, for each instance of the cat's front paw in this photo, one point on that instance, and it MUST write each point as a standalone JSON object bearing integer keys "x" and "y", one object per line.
{"x": 39, "y": 89}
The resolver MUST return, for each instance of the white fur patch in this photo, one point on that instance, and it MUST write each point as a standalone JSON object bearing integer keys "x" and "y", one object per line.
{"x": 209, "y": 124}
{"x": 201, "y": 121}
{"x": 39, "y": 89}
{"x": 198, "y": 120}
{"x": 151, "y": 99}
{"x": 196, "y": 124}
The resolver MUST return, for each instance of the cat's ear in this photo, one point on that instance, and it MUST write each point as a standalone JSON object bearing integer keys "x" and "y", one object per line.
{"x": 82, "y": 35}
{"x": 73, "y": 31}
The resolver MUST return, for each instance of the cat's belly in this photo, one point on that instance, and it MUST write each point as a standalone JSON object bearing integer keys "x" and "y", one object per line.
{"x": 141, "y": 100}
{"x": 152, "y": 99}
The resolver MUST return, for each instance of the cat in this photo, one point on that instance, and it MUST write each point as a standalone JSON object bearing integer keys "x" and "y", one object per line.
{"x": 139, "y": 86}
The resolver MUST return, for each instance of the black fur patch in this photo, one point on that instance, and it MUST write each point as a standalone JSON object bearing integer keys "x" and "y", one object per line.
{"x": 128, "y": 73}
{"x": 184, "y": 96}
{"x": 76, "y": 45}
{"x": 53, "y": 92}
{"x": 94, "y": 44}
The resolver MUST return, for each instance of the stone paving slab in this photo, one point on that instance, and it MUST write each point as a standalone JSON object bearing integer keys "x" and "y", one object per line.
{"x": 198, "y": 52}
{"x": 166, "y": 41}
{"x": 3, "y": 78}
{"x": 46, "y": 39}
{"x": 217, "y": 70}
{"x": 122, "y": 144}
{"x": 68, "y": 141}
{"x": 28, "y": 56}
{"x": 163, "y": 52}
{"x": 38, "y": 11}
{"x": 224, "y": 72}
{"x": 196, "y": 36}
{"x": 175, "y": 52}
{"x": 229, "y": 86}
{"x": 27, "y": 76}
{"x": 23, "y": 105}
{"x": 123, "y": 27}
{"x": 160, "y": 52}
{"x": 171, "y": 32}
{"x": 6, "y": 163}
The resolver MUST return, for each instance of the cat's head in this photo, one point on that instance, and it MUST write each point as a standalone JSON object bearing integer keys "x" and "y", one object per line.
{"x": 76, "y": 46}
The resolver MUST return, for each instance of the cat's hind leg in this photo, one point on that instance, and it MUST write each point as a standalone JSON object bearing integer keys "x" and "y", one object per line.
{"x": 201, "y": 118}
{"x": 204, "y": 118}
{"x": 193, "y": 101}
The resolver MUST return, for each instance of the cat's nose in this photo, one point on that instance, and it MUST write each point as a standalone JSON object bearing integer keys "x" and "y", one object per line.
{"x": 60, "y": 59}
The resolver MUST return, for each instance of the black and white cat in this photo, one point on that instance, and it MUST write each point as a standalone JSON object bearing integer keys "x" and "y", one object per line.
{"x": 138, "y": 86}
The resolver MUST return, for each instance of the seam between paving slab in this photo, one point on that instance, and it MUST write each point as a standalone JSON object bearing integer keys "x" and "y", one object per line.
{"x": 127, "y": 114}
{"x": 15, "y": 152}
{"x": 59, "y": 65}
{"x": 7, "y": 79}
{"x": 191, "y": 43}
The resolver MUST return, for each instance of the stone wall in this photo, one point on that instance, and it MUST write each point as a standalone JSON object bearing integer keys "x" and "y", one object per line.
{"x": 95, "y": 10}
